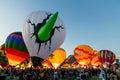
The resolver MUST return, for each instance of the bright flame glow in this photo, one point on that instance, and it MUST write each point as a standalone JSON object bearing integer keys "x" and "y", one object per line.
{"x": 13, "y": 62}
{"x": 56, "y": 65}
{"x": 17, "y": 66}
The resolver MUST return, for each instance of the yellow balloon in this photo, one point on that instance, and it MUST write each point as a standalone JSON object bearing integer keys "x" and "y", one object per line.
{"x": 57, "y": 57}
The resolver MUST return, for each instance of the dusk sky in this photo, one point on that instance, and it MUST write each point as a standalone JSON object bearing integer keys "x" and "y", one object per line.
{"x": 92, "y": 22}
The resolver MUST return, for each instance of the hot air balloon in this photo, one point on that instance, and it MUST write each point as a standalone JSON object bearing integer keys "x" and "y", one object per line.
{"x": 106, "y": 56}
{"x": 3, "y": 58}
{"x": 46, "y": 64}
{"x": 95, "y": 60}
{"x": 43, "y": 32}
{"x": 15, "y": 49}
{"x": 57, "y": 57}
{"x": 65, "y": 64}
{"x": 71, "y": 59}
{"x": 83, "y": 54}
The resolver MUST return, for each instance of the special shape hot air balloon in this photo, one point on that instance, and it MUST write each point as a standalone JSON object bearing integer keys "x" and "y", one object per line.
{"x": 83, "y": 54}
{"x": 43, "y": 32}
{"x": 106, "y": 56}
{"x": 15, "y": 49}
{"x": 57, "y": 57}
{"x": 3, "y": 58}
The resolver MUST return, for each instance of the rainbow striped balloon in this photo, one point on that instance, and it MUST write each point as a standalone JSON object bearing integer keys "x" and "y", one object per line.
{"x": 16, "y": 50}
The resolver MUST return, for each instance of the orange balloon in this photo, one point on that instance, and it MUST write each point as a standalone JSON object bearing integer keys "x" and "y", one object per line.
{"x": 57, "y": 57}
{"x": 83, "y": 54}
{"x": 95, "y": 60}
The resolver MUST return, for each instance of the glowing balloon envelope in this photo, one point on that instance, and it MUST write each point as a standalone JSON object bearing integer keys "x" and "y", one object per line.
{"x": 106, "y": 56}
{"x": 57, "y": 58}
{"x": 83, "y": 54}
{"x": 46, "y": 64}
{"x": 95, "y": 60}
{"x": 43, "y": 32}
{"x": 15, "y": 49}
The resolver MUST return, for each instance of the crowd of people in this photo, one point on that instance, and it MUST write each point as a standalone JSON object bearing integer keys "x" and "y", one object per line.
{"x": 111, "y": 72}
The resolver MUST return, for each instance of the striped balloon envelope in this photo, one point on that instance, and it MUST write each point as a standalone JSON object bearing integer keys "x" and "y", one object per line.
{"x": 106, "y": 56}
{"x": 15, "y": 49}
{"x": 95, "y": 60}
{"x": 83, "y": 54}
{"x": 71, "y": 59}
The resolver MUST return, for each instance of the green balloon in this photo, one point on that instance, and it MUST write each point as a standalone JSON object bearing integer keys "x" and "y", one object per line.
{"x": 45, "y": 31}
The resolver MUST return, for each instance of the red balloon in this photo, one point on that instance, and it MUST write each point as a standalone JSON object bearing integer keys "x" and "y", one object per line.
{"x": 106, "y": 56}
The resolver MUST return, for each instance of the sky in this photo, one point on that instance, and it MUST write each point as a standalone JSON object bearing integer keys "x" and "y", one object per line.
{"x": 92, "y": 22}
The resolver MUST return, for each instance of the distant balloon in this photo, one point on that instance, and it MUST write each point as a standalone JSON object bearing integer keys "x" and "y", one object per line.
{"x": 43, "y": 32}
{"x": 3, "y": 58}
{"x": 16, "y": 50}
{"x": 71, "y": 59}
{"x": 57, "y": 57}
{"x": 106, "y": 56}
{"x": 83, "y": 54}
